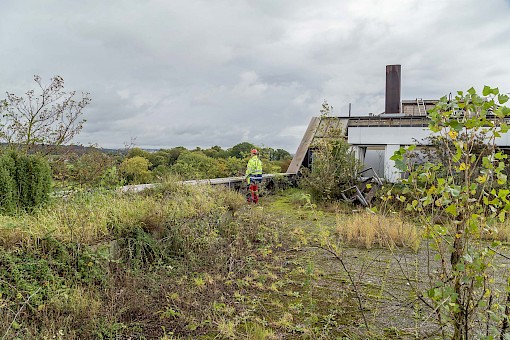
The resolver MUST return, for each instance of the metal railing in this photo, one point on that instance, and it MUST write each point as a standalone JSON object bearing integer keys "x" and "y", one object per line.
{"x": 228, "y": 181}
{"x": 381, "y": 121}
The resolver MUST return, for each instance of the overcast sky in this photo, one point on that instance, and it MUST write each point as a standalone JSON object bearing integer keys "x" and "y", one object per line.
{"x": 219, "y": 72}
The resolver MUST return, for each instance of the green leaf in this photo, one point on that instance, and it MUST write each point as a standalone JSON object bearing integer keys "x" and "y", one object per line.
{"x": 458, "y": 153}
{"x": 501, "y": 216}
{"x": 440, "y": 230}
{"x": 486, "y": 90}
{"x": 455, "y": 192}
{"x": 455, "y": 125}
{"x": 504, "y": 128}
{"x": 472, "y": 91}
{"x": 500, "y": 155}
{"x": 452, "y": 210}
{"x": 502, "y": 98}
{"x": 399, "y": 154}
{"x": 501, "y": 178}
{"x": 502, "y": 192}
{"x": 396, "y": 156}
{"x": 434, "y": 127}
{"x": 496, "y": 244}
{"x": 400, "y": 165}
{"x": 427, "y": 200}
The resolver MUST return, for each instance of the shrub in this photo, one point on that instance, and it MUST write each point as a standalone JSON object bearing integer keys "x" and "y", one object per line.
{"x": 89, "y": 168}
{"x": 461, "y": 199}
{"x": 7, "y": 188}
{"x": 334, "y": 166}
{"x": 47, "y": 279}
{"x": 334, "y": 169}
{"x": 25, "y": 182}
{"x": 136, "y": 170}
{"x": 196, "y": 165}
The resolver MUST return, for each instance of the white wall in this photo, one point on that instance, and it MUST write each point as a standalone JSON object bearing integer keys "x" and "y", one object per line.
{"x": 398, "y": 135}
{"x": 386, "y": 135}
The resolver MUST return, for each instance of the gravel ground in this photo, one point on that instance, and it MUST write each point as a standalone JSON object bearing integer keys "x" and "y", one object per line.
{"x": 389, "y": 283}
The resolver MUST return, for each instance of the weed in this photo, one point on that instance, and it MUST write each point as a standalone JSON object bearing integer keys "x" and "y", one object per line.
{"x": 368, "y": 229}
{"x": 174, "y": 263}
{"x": 255, "y": 331}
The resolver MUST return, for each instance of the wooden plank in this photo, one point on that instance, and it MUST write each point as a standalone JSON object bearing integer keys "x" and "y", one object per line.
{"x": 298, "y": 158}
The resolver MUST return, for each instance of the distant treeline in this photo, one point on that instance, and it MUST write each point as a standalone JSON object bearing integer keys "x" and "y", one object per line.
{"x": 97, "y": 167}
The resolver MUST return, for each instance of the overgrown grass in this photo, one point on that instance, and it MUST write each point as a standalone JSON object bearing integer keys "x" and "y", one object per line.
{"x": 353, "y": 226}
{"x": 93, "y": 217}
{"x": 64, "y": 263}
{"x": 176, "y": 261}
{"x": 181, "y": 262}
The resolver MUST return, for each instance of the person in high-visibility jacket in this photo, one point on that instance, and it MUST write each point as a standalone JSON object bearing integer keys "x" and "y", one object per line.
{"x": 254, "y": 176}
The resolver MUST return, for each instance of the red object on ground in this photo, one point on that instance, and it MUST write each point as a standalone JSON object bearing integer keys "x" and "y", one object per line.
{"x": 254, "y": 191}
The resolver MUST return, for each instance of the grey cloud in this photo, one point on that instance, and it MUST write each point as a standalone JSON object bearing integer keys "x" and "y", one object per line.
{"x": 200, "y": 73}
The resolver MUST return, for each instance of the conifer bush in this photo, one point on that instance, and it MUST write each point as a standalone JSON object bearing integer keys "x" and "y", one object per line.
{"x": 7, "y": 185}
{"x": 25, "y": 182}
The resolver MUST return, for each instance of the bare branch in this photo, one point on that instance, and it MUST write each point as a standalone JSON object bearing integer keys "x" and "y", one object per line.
{"x": 48, "y": 115}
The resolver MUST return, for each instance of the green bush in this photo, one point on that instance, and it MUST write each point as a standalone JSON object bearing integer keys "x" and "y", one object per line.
{"x": 136, "y": 170}
{"x": 461, "y": 196}
{"x": 196, "y": 165}
{"x": 334, "y": 169}
{"x": 7, "y": 187}
{"x": 25, "y": 182}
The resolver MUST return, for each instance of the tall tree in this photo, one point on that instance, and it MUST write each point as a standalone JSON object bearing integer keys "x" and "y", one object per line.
{"x": 241, "y": 150}
{"x": 48, "y": 115}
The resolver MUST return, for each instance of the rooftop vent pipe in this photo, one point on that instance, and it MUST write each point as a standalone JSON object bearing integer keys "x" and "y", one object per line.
{"x": 392, "y": 103}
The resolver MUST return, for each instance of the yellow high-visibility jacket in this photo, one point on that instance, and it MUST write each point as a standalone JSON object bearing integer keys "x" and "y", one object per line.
{"x": 254, "y": 167}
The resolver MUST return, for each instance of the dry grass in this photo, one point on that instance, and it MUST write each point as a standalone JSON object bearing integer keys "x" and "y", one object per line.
{"x": 369, "y": 229}
{"x": 500, "y": 232}
{"x": 91, "y": 218}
